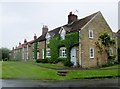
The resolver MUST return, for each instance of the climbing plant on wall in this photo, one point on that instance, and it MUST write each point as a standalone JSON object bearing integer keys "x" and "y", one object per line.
{"x": 104, "y": 43}
{"x": 56, "y": 42}
{"x": 35, "y": 50}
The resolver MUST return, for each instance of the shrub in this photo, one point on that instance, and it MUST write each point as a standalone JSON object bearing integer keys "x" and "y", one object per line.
{"x": 67, "y": 63}
{"x": 5, "y": 59}
{"x": 42, "y": 61}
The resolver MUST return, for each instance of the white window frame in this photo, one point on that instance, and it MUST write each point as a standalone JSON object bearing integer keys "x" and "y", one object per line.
{"x": 48, "y": 38}
{"x": 62, "y": 33}
{"x": 48, "y": 52}
{"x": 91, "y": 34}
{"x": 110, "y": 52}
{"x": 62, "y": 52}
{"x": 38, "y": 55}
{"x": 91, "y": 52}
{"x": 43, "y": 53}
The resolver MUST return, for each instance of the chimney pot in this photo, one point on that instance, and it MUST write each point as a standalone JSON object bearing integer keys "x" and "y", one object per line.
{"x": 35, "y": 37}
{"x": 72, "y": 17}
{"x": 44, "y": 29}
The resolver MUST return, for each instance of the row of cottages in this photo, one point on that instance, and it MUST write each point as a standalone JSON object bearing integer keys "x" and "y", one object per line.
{"x": 75, "y": 41}
{"x": 23, "y": 51}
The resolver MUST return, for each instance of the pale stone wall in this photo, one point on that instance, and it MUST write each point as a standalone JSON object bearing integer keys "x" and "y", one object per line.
{"x": 41, "y": 47}
{"x": 98, "y": 25}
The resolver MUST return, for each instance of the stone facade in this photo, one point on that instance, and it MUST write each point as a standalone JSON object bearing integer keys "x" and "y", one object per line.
{"x": 98, "y": 25}
{"x": 85, "y": 50}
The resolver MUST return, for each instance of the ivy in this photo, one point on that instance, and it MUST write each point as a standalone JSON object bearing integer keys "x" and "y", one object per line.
{"x": 35, "y": 50}
{"x": 106, "y": 39}
{"x": 103, "y": 44}
{"x": 56, "y": 42}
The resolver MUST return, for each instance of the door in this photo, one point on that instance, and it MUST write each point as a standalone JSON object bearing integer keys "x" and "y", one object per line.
{"x": 73, "y": 56}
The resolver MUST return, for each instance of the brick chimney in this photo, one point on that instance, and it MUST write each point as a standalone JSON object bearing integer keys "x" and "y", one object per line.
{"x": 44, "y": 29}
{"x": 35, "y": 37}
{"x": 72, "y": 17}
{"x": 19, "y": 43}
{"x": 25, "y": 41}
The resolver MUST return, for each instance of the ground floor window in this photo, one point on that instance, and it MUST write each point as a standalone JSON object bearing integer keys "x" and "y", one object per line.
{"x": 62, "y": 52}
{"x": 48, "y": 54}
{"x": 91, "y": 52}
{"x": 110, "y": 52}
{"x": 37, "y": 55}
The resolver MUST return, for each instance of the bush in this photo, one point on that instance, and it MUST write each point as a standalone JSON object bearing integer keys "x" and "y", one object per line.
{"x": 42, "y": 61}
{"x": 5, "y": 59}
{"x": 67, "y": 63}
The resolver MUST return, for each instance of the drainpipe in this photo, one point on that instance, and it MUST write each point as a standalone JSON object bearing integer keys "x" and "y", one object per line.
{"x": 80, "y": 58}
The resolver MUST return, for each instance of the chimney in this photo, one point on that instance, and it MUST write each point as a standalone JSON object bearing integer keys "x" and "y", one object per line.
{"x": 44, "y": 29}
{"x": 13, "y": 48}
{"x": 19, "y": 43}
{"x": 35, "y": 37}
{"x": 72, "y": 17}
{"x": 25, "y": 41}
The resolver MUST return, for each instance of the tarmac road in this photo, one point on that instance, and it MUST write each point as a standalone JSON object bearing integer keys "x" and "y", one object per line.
{"x": 71, "y": 83}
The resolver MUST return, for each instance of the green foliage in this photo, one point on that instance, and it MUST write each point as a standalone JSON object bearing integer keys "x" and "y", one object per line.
{"x": 42, "y": 61}
{"x": 104, "y": 42}
{"x": 35, "y": 50}
{"x": 70, "y": 40}
{"x": 4, "y": 52}
{"x": 106, "y": 39}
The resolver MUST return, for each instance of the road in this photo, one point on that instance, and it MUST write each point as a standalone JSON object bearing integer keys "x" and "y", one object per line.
{"x": 68, "y": 83}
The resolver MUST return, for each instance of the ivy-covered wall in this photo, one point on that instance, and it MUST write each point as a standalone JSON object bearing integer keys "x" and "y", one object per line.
{"x": 35, "y": 50}
{"x": 56, "y": 42}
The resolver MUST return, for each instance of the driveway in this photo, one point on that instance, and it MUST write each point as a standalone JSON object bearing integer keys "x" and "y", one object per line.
{"x": 68, "y": 84}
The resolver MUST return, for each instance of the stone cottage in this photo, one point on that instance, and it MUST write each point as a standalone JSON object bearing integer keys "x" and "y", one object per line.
{"x": 23, "y": 52}
{"x": 76, "y": 41}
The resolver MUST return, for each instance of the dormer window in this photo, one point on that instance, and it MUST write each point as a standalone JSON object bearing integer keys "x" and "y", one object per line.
{"x": 90, "y": 33}
{"x": 62, "y": 33}
{"x": 47, "y": 38}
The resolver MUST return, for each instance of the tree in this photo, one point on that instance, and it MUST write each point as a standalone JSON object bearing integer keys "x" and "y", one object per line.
{"x": 4, "y": 54}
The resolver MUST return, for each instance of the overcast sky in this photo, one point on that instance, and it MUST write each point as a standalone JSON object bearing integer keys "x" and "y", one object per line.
{"x": 20, "y": 20}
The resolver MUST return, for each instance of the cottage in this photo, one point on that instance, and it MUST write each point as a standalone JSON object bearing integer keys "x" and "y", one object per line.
{"x": 23, "y": 52}
{"x": 77, "y": 41}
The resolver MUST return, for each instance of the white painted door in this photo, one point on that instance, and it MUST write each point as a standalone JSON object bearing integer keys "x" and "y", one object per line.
{"x": 73, "y": 56}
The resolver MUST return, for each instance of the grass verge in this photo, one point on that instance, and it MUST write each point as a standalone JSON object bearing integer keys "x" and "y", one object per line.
{"x": 20, "y": 70}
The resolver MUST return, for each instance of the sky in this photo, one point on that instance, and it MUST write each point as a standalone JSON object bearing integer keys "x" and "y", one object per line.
{"x": 21, "y": 20}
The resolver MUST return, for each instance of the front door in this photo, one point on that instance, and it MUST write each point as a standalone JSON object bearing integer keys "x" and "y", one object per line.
{"x": 73, "y": 56}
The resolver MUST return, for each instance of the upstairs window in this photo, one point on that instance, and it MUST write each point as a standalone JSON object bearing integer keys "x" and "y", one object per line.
{"x": 91, "y": 52}
{"x": 62, "y": 33}
{"x": 47, "y": 38}
{"x": 90, "y": 33}
{"x": 62, "y": 52}
{"x": 48, "y": 54}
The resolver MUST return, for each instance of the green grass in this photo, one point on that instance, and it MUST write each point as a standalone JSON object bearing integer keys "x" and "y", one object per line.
{"x": 114, "y": 66}
{"x": 49, "y": 65}
{"x": 20, "y": 70}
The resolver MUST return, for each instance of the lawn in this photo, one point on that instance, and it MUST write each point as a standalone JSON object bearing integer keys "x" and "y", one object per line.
{"x": 21, "y": 70}
{"x": 48, "y": 65}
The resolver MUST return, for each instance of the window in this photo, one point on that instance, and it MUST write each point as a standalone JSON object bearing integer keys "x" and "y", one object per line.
{"x": 47, "y": 38}
{"x": 110, "y": 52}
{"x": 48, "y": 53}
{"x": 37, "y": 55}
{"x": 91, "y": 52}
{"x": 62, "y": 52}
{"x": 62, "y": 34}
{"x": 90, "y": 33}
